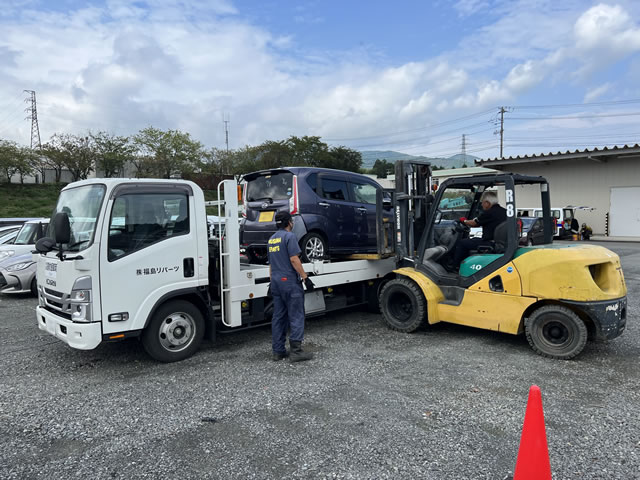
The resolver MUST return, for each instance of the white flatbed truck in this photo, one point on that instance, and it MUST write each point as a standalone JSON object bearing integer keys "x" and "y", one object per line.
{"x": 133, "y": 258}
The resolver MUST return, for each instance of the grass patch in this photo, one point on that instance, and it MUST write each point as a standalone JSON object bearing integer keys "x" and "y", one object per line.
{"x": 29, "y": 200}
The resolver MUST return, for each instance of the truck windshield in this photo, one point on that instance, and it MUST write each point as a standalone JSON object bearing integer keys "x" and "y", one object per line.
{"x": 82, "y": 205}
{"x": 277, "y": 186}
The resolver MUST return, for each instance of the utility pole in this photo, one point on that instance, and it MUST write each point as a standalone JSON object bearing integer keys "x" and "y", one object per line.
{"x": 33, "y": 116}
{"x": 502, "y": 111}
{"x": 226, "y": 132}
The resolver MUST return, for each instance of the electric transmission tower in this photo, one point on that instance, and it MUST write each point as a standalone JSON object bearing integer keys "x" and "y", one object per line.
{"x": 33, "y": 116}
{"x": 226, "y": 132}
{"x": 464, "y": 146}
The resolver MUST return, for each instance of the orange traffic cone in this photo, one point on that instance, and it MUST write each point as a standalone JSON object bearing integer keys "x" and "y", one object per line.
{"x": 533, "y": 455}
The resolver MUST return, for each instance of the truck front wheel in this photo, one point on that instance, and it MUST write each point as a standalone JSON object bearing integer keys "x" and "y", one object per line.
{"x": 556, "y": 332}
{"x": 403, "y": 305}
{"x": 175, "y": 332}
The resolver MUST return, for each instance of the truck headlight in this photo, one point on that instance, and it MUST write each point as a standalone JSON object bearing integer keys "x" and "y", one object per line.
{"x": 80, "y": 300}
{"x": 7, "y": 254}
{"x": 18, "y": 266}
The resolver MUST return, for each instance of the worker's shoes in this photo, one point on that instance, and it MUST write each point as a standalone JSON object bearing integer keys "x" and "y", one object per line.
{"x": 279, "y": 356}
{"x": 297, "y": 354}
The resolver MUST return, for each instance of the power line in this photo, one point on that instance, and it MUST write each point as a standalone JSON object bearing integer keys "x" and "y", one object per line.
{"x": 431, "y": 126}
{"x": 579, "y": 117}
{"x": 564, "y": 105}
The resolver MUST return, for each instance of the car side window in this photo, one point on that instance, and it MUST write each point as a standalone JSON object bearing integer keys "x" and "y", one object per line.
{"x": 140, "y": 220}
{"x": 363, "y": 192}
{"x": 312, "y": 181}
{"x": 334, "y": 189}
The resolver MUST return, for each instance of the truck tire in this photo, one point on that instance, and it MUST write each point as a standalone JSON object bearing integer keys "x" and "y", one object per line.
{"x": 403, "y": 305}
{"x": 175, "y": 332}
{"x": 557, "y": 332}
{"x": 313, "y": 246}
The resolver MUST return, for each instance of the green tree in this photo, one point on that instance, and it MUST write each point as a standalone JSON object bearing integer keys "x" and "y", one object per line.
{"x": 77, "y": 154}
{"x": 166, "y": 154}
{"x": 309, "y": 151}
{"x": 52, "y": 157}
{"x": 112, "y": 153}
{"x": 9, "y": 162}
{"x": 382, "y": 168}
{"x": 343, "y": 158}
{"x": 25, "y": 162}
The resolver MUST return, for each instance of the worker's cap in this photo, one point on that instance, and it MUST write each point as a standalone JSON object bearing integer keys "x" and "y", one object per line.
{"x": 283, "y": 219}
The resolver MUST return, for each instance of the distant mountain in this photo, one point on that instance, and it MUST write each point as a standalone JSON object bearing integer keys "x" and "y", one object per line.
{"x": 456, "y": 161}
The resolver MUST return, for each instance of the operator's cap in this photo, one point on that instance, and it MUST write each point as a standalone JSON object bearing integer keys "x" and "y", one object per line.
{"x": 283, "y": 219}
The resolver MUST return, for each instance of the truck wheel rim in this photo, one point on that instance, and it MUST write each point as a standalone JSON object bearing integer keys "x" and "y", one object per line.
{"x": 314, "y": 248}
{"x": 177, "y": 331}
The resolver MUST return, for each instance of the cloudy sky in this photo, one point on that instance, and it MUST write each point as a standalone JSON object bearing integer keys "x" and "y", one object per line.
{"x": 410, "y": 76}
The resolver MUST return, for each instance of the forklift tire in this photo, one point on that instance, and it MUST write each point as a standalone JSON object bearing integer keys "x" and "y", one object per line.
{"x": 403, "y": 305}
{"x": 557, "y": 332}
{"x": 175, "y": 332}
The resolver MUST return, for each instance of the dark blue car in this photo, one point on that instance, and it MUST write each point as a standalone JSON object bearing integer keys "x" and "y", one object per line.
{"x": 334, "y": 211}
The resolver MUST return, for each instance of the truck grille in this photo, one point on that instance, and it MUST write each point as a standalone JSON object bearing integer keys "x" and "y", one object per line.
{"x": 57, "y": 302}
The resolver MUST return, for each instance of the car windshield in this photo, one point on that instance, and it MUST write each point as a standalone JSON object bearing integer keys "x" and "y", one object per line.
{"x": 82, "y": 205}
{"x": 27, "y": 234}
{"x": 278, "y": 186}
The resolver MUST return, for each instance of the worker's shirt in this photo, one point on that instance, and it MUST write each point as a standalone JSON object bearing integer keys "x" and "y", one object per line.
{"x": 490, "y": 219}
{"x": 282, "y": 246}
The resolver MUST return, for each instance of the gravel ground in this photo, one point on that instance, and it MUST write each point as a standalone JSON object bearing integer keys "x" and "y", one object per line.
{"x": 445, "y": 403}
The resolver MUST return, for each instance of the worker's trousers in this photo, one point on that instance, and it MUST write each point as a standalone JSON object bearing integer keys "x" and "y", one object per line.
{"x": 288, "y": 310}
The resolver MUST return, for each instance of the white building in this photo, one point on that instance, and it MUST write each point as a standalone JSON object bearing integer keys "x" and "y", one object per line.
{"x": 606, "y": 179}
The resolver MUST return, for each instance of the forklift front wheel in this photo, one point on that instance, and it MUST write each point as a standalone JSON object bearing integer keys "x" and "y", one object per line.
{"x": 403, "y": 305}
{"x": 175, "y": 332}
{"x": 556, "y": 332}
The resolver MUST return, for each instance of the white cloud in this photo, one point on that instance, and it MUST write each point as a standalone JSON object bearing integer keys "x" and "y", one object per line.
{"x": 597, "y": 92}
{"x": 182, "y": 64}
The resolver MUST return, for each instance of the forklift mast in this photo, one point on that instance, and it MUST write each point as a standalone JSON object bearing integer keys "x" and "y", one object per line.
{"x": 411, "y": 203}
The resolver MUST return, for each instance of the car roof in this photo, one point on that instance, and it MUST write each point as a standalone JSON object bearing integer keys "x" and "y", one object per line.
{"x": 303, "y": 170}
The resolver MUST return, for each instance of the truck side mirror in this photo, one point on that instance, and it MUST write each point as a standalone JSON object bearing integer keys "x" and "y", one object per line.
{"x": 62, "y": 227}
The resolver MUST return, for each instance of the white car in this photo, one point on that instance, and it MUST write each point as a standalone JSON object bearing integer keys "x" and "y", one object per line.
{"x": 18, "y": 275}
{"x": 26, "y": 239}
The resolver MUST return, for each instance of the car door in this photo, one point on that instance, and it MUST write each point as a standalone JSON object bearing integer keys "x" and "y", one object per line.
{"x": 363, "y": 195}
{"x": 537, "y": 232}
{"x": 338, "y": 211}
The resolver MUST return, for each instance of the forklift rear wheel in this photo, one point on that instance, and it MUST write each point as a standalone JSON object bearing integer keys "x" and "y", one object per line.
{"x": 556, "y": 332}
{"x": 403, "y": 305}
{"x": 175, "y": 332}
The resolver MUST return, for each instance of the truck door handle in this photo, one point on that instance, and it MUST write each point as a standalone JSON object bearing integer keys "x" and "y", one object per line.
{"x": 188, "y": 267}
{"x": 323, "y": 204}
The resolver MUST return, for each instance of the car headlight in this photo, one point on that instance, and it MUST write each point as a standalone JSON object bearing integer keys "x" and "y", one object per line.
{"x": 18, "y": 266}
{"x": 7, "y": 253}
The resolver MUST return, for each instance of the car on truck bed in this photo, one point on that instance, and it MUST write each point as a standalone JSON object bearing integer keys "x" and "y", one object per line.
{"x": 334, "y": 211}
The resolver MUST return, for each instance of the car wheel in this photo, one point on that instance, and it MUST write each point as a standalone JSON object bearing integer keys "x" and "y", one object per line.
{"x": 34, "y": 287}
{"x": 529, "y": 242}
{"x": 175, "y": 332}
{"x": 556, "y": 332}
{"x": 403, "y": 305}
{"x": 313, "y": 246}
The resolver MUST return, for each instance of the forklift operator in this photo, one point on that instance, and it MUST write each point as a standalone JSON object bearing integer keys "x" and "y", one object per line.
{"x": 286, "y": 274}
{"x": 492, "y": 216}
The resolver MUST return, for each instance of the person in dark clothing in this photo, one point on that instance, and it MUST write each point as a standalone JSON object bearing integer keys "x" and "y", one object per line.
{"x": 286, "y": 274}
{"x": 492, "y": 215}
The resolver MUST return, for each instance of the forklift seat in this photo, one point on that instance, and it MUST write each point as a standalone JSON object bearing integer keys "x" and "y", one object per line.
{"x": 498, "y": 244}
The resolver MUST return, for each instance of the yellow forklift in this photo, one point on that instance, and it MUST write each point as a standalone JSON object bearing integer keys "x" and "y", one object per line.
{"x": 559, "y": 296}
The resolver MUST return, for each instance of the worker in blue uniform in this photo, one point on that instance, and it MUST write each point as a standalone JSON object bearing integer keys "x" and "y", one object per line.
{"x": 287, "y": 276}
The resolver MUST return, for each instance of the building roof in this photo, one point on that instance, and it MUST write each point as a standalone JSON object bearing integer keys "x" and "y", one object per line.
{"x": 463, "y": 172}
{"x": 595, "y": 154}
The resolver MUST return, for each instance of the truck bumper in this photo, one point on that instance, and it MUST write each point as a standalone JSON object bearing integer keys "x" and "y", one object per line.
{"x": 609, "y": 317}
{"x": 83, "y": 336}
